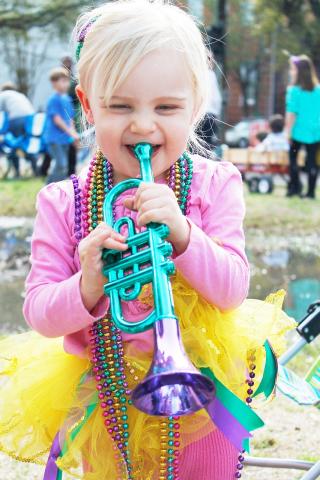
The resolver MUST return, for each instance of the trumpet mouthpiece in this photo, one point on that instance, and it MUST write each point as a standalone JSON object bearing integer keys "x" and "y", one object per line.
{"x": 143, "y": 151}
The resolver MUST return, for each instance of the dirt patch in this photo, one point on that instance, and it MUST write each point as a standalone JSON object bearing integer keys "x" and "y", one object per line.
{"x": 291, "y": 431}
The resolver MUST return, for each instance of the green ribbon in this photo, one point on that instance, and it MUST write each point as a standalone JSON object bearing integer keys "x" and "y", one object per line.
{"x": 270, "y": 372}
{"x": 244, "y": 414}
{"x": 89, "y": 410}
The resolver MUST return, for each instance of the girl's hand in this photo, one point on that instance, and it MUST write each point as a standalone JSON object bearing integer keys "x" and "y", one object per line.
{"x": 90, "y": 251}
{"x": 157, "y": 203}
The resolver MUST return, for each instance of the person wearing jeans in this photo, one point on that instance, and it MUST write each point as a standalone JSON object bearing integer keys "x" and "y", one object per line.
{"x": 59, "y": 153}
{"x": 303, "y": 122}
{"x": 59, "y": 131}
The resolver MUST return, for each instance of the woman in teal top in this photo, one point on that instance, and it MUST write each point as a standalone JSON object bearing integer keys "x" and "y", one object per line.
{"x": 303, "y": 122}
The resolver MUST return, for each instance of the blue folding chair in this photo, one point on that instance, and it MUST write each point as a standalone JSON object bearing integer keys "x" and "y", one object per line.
{"x": 31, "y": 143}
{"x": 4, "y": 124}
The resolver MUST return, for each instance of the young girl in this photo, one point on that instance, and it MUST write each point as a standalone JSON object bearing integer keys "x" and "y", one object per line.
{"x": 303, "y": 122}
{"x": 142, "y": 78}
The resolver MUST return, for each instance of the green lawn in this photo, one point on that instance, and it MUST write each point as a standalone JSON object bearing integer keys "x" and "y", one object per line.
{"x": 276, "y": 214}
{"x": 271, "y": 213}
{"x": 17, "y": 197}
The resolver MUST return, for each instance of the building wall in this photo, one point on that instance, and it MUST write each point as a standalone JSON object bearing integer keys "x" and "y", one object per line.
{"x": 233, "y": 101}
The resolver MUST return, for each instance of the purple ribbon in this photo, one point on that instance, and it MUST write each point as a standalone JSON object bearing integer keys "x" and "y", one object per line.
{"x": 51, "y": 471}
{"x": 227, "y": 423}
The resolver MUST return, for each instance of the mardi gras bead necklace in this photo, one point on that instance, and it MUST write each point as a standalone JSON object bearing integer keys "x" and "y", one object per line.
{"x": 109, "y": 366}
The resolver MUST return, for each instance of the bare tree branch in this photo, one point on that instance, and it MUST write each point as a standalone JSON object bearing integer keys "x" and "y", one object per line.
{"x": 38, "y": 18}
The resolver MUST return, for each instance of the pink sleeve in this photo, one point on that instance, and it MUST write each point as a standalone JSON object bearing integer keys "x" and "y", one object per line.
{"x": 215, "y": 262}
{"x": 53, "y": 305}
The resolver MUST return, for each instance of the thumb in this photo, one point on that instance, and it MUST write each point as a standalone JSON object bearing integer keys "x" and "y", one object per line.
{"x": 129, "y": 203}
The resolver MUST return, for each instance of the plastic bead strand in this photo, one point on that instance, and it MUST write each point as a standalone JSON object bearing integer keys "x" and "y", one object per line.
{"x": 106, "y": 340}
{"x": 250, "y": 383}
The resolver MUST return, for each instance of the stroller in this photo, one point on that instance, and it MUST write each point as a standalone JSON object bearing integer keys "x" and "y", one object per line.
{"x": 302, "y": 391}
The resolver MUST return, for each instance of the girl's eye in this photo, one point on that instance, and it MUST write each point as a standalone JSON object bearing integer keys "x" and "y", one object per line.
{"x": 119, "y": 106}
{"x": 167, "y": 107}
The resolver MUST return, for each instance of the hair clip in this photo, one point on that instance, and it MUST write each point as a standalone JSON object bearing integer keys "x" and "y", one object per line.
{"x": 294, "y": 59}
{"x": 82, "y": 35}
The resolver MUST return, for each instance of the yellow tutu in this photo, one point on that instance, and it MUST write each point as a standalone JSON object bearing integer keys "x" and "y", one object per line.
{"x": 45, "y": 390}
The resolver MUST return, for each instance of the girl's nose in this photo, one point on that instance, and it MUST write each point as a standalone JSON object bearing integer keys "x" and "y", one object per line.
{"x": 142, "y": 125}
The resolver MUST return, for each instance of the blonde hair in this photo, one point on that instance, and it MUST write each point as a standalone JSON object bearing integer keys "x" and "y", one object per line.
{"x": 120, "y": 33}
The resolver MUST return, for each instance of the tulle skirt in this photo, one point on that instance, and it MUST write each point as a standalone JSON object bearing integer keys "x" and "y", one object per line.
{"x": 45, "y": 390}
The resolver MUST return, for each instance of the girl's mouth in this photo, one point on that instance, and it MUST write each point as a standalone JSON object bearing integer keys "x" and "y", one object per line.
{"x": 130, "y": 148}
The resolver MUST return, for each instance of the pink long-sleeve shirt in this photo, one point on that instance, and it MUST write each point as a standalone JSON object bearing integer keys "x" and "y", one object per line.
{"x": 214, "y": 262}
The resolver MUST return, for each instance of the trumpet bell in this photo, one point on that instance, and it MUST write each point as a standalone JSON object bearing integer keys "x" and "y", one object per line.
{"x": 172, "y": 386}
{"x": 177, "y": 393}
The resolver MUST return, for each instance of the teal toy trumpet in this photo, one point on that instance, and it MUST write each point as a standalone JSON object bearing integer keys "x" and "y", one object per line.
{"x": 172, "y": 386}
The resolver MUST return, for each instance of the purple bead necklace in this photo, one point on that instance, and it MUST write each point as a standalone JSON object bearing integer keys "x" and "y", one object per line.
{"x": 106, "y": 340}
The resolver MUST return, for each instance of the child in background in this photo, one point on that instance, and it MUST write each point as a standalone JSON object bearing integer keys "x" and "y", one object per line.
{"x": 142, "y": 78}
{"x": 60, "y": 131}
{"x": 276, "y": 140}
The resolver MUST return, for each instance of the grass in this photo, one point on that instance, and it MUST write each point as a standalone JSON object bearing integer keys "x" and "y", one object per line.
{"x": 273, "y": 213}
{"x": 18, "y": 197}
{"x": 276, "y": 214}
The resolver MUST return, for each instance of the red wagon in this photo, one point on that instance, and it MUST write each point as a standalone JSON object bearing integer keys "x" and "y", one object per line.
{"x": 258, "y": 169}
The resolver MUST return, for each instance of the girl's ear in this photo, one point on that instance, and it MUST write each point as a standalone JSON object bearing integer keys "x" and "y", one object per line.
{"x": 83, "y": 99}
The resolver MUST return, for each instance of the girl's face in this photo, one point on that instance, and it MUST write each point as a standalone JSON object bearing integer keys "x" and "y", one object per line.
{"x": 293, "y": 72}
{"x": 154, "y": 104}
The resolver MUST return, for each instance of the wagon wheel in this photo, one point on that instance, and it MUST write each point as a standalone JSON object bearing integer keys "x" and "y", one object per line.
{"x": 265, "y": 185}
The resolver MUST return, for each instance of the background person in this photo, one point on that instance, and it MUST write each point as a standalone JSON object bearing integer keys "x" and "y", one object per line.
{"x": 18, "y": 107}
{"x": 276, "y": 140}
{"x": 303, "y": 122}
{"x": 59, "y": 131}
{"x": 67, "y": 63}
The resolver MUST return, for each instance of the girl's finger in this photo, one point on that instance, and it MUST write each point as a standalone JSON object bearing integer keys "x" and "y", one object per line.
{"x": 129, "y": 203}
{"x": 117, "y": 236}
{"x": 100, "y": 237}
{"x": 104, "y": 227}
{"x": 143, "y": 192}
{"x": 159, "y": 215}
{"x": 113, "y": 244}
{"x": 151, "y": 191}
{"x": 154, "y": 203}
